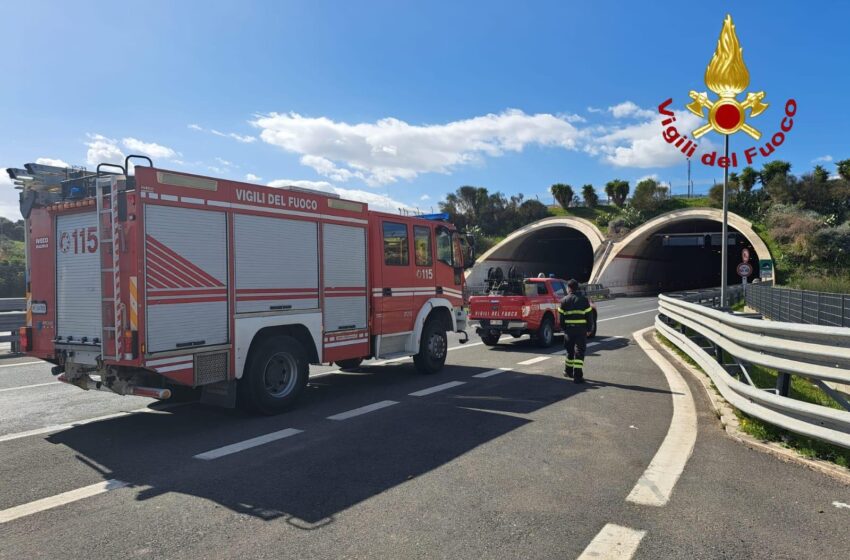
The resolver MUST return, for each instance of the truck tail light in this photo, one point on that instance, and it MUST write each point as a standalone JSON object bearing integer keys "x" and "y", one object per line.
{"x": 131, "y": 344}
{"x": 25, "y": 338}
{"x": 526, "y": 310}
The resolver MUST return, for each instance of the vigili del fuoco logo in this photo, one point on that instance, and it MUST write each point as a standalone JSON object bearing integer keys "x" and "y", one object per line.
{"x": 728, "y": 77}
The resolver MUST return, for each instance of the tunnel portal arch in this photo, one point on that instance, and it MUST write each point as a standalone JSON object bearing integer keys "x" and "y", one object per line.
{"x": 565, "y": 246}
{"x": 677, "y": 250}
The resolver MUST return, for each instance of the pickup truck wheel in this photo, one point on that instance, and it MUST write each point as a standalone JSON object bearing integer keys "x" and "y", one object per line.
{"x": 433, "y": 348}
{"x": 490, "y": 338}
{"x": 350, "y": 364}
{"x": 546, "y": 333}
{"x": 592, "y": 332}
{"x": 276, "y": 373}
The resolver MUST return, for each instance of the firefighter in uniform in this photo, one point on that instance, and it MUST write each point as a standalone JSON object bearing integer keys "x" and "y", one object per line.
{"x": 576, "y": 315}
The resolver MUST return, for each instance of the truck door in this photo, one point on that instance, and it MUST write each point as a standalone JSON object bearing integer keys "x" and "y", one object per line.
{"x": 398, "y": 279}
{"x": 185, "y": 277}
{"x": 449, "y": 266}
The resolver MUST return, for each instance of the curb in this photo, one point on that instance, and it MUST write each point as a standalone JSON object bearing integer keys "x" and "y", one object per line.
{"x": 726, "y": 414}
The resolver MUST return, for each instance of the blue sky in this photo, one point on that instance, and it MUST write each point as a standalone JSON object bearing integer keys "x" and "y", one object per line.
{"x": 401, "y": 102}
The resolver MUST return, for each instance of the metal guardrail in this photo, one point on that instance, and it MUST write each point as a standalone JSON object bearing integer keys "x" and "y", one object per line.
{"x": 710, "y": 296}
{"x": 818, "y": 353}
{"x": 800, "y": 306}
{"x": 12, "y": 316}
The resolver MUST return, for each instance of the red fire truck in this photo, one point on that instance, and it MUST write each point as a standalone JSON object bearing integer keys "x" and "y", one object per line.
{"x": 137, "y": 284}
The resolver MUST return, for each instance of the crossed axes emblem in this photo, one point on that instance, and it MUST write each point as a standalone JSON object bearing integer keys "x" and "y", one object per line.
{"x": 701, "y": 102}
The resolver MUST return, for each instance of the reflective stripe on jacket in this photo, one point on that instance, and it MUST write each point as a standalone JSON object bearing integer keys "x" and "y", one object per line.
{"x": 575, "y": 310}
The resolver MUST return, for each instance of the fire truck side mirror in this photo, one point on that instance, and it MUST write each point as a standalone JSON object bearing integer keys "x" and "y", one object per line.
{"x": 469, "y": 250}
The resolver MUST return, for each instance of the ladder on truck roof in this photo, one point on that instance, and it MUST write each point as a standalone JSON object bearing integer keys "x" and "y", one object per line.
{"x": 108, "y": 236}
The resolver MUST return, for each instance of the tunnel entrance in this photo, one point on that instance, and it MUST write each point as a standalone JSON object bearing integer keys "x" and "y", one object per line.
{"x": 686, "y": 255}
{"x": 559, "y": 250}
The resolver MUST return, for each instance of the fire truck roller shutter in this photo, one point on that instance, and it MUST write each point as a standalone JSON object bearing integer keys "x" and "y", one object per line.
{"x": 186, "y": 277}
{"x": 277, "y": 264}
{"x": 344, "y": 268}
{"x": 78, "y": 295}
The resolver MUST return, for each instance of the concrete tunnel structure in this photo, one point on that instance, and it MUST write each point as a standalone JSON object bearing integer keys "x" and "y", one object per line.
{"x": 677, "y": 250}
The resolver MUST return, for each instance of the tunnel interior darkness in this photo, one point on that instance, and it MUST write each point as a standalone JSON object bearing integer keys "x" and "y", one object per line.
{"x": 686, "y": 255}
{"x": 559, "y": 250}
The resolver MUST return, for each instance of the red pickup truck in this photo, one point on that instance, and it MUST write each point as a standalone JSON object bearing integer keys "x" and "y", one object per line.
{"x": 525, "y": 306}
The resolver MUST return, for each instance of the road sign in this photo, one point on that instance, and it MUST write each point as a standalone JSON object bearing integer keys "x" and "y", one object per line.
{"x": 766, "y": 270}
{"x": 745, "y": 255}
{"x": 745, "y": 269}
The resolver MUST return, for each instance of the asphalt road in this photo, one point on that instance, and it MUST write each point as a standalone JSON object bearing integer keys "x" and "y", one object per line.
{"x": 498, "y": 456}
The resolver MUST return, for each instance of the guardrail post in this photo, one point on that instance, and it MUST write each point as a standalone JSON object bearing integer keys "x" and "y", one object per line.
{"x": 783, "y": 384}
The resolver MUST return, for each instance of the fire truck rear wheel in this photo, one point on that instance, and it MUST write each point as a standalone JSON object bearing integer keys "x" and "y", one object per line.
{"x": 490, "y": 338}
{"x": 277, "y": 372}
{"x": 433, "y": 348}
{"x": 546, "y": 333}
{"x": 346, "y": 365}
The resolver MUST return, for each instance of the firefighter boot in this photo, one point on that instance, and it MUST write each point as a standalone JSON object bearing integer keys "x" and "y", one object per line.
{"x": 578, "y": 375}
{"x": 568, "y": 369}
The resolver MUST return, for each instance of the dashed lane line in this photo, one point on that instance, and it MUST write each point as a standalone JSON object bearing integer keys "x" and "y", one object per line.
{"x": 656, "y": 484}
{"x": 362, "y": 410}
{"x": 51, "y": 502}
{"x": 492, "y": 372}
{"x": 653, "y": 310}
{"x": 57, "y": 383}
{"x": 60, "y": 427}
{"x": 533, "y": 360}
{"x": 247, "y": 444}
{"x": 23, "y": 364}
{"x": 613, "y": 542}
{"x": 436, "y": 388}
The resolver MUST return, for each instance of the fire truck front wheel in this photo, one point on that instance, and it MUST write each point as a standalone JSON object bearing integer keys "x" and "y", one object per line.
{"x": 433, "y": 348}
{"x": 277, "y": 372}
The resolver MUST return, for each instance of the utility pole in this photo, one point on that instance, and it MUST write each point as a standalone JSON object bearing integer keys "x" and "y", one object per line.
{"x": 724, "y": 246}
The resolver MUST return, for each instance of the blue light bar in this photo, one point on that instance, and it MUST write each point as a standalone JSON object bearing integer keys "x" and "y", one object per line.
{"x": 442, "y": 217}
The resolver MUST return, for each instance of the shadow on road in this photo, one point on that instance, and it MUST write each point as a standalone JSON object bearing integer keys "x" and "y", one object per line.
{"x": 309, "y": 478}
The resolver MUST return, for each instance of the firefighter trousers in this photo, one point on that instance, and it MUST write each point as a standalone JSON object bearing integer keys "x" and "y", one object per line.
{"x": 575, "y": 343}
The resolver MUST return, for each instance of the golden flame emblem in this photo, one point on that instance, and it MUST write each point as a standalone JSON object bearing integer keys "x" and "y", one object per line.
{"x": 727, "y": 76}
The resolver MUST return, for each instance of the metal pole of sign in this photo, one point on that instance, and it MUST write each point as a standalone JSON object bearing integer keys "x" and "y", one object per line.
{"x": 723, "y": 243}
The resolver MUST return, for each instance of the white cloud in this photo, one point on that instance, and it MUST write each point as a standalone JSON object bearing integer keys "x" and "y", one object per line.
{"x": 823, "y": 159}
{"x": 390, "y": 149}
{"x": 51, "y": 161}
{"x": 641, "y": 144}
{"x": 630, "y": 109}
{"x": 224, "y": 162}
{"x": 103, "y": 150}
{"x": 424, "y": 197}
{"x": 253, "y": 178}
{"x": 594, "y": 110}
{"x": 9, "y": 207}
{"x": 151, "y": 149}
{"x": 376, "y": 201}
{"x": 243, "y": 138}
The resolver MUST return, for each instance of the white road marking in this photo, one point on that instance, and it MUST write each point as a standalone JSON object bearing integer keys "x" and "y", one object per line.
{"x": 60, "y": 427}
{"x": 247, "y": 444}
{"x": 533, "y": 360}
{"x": 589, "y": 346}
{"x": 362, "y": 410}
{"x": 656, "y": 484}
{"x": 613, "y": 542}
{"x": 23, "y": 364}
{"x": 31, "y": 386}
{"x": 841, "y": 505}
{"x": 492, "y": 372}
{"x": 653, "y": 310}
{"x": 59, "y": 499}
{"x": 436, "y": 388}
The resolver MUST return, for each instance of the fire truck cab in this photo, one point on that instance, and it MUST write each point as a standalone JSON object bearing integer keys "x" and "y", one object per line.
{"x": 140, "y": 283}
